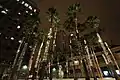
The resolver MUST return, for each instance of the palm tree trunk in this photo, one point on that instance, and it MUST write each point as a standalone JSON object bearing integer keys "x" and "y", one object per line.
{"x": 115, "y": 62}
{"x": 104, "y": 49}
{"x": 86, "y": 69}
{"x": 45, "y": 55}
{"x": 32, "y": 55}
{"x": 97, "y": 65}
{"x": 14, "y": 67}
{"x": 54, "y": 39}
{"x": 31, "y": 59}
{"x": 72, "y": 59}
{"x": 22, "y": 56}
{"x": 88, "y": 58}
{"x": 16, "y": 57}
{"x": 108, "y": 59}
{"x": 39, "y": 53}
{"x": 37, "y": 63}
{"x": 47, "y": 44}
{"x": 20, "y": 60}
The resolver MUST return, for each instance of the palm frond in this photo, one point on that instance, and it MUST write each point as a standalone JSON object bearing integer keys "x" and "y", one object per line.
{"x": 92, "y": 21}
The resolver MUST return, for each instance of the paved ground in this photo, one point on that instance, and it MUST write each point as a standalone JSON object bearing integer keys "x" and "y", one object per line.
{"x": 78, "y": 79}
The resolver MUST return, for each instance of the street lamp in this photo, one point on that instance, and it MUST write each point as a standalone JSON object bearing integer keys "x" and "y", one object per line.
{"x": 76, "y": 62}
{"x": 54, "y": 69}
{"x": 24, "y": 67}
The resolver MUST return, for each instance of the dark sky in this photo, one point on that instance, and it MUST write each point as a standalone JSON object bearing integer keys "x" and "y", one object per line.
{"x": 107, "y": 10}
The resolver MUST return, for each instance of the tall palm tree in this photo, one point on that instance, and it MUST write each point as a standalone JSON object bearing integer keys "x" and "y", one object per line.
{"x": 34, "y": 59}
{"x": 54, "y": 21}
{"x": 28, "y": 30}
{"x": 51, "y": 40}
{"x": 114, "y": 60}
{"x": 71, "y": 24}
{"x": 92, "y": 43}
{"x": 93, "y": 22}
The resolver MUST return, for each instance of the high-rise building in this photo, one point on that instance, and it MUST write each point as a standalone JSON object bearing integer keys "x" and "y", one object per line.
{"x": 13, "y": 14}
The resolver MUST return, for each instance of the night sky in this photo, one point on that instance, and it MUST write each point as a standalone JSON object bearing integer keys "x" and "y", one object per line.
{"x": 107, "y": 10}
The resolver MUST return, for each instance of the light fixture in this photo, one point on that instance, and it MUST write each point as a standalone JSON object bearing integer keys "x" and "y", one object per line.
{"x": 26, "y": 5}
{"x": 4, "y": 12}
{"x": 23, "y": 2}
{"x": 20, "y": 41}
{"x": 19, "y": 13}
{"x": 34, "y": 10}
{"x": 30, "y": 76}
{"x": 26, "y": 11}
{"x": 30, "y": 7}
{"x": 71, "y": 34}
{"x": 24, "y": 67}
{"x": 0, "y": 33}
{"x": 76, "y": 62}
{"x": 118, "y": 72}
{"x": 12, "y": 38}
{"x": 18, "y": 27}
{"x": 18, "y": 0}
{"x": 54, "y": 69}
{"x": 31, "y": 14}
{"x": 105, "y": 73}
{"x": 100, "y": 40}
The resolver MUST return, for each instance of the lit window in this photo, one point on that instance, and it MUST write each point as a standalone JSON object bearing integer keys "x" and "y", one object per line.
{"x": 12, "y": 38}
{"x": 31, "y": 14}
{"x": 105, "y": 73}
{"x": 18, "y": 27}
{"x": 26, "y": 11}
{"x": 34, "y": 10}
{"x": 26, "y": 4}
{"x": 30, "y": 7}
{"x": 3, "y": 12}
{"x": 23, "y": 2}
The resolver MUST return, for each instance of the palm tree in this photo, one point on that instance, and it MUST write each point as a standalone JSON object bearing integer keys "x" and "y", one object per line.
{"x": 94, "y": 38}
{"x": 34, "y": 59}
{"x": 29, "y": 25}
{"x": 107, "y": 58}
{"x": 50, "y": 42}
{"x": 91, "y": 42}
{"x": 71, "y": 25}
{"x": 115, "y": 62}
